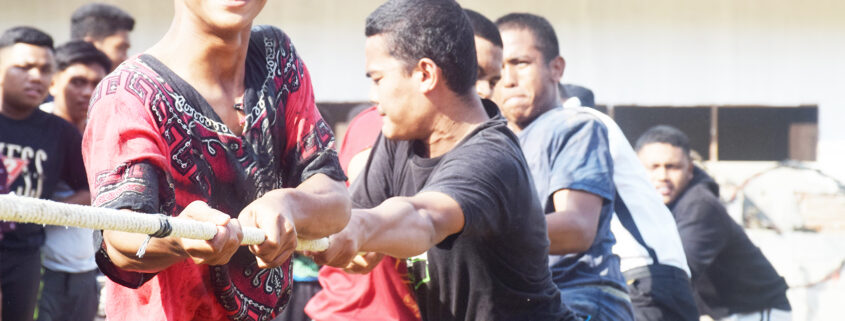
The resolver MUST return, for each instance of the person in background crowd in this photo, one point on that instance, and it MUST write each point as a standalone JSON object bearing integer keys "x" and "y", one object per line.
{"x": 3, "y": 225}
{"x": 731, "y": 277}
{"x": 649, "y": 247}
{"x": 105, "y": 26}
{"x": 70, "y": 289}
{"x": 50, "y": 148}
{"x": 574, "y": 95}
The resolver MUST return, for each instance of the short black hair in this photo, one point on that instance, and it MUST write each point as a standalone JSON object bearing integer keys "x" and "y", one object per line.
{"x": 78, "y": 51}
{"x": 27, "y": 35}
{"x": 484, "y": 28}
{"x": 544, "y": 34}
{"x": 99, "y": 20}
{"x": 434, "y": 29}
{"x": 664, "y": 134}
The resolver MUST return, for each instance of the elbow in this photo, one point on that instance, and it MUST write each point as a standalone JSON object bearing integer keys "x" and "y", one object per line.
{"x": 583, "y": 244}
{"x": 124, "y": 262}
{"x": 584, "y": 239}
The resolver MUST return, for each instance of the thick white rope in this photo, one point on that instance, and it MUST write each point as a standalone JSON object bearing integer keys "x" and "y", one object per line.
{"x": 30, "y": 210}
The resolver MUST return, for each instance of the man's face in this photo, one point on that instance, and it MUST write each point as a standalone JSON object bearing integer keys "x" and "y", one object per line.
{"x": 489, "y": 67}
{"x": 225, "y": 15}
{"x": 529, "y": 83}
{"x": 669, "y": 169}
{"x": 395, "y": 91}
{"x": 73, "y": 87}
{"x": 25, "y": 74}
{"x": 116, "y": 46}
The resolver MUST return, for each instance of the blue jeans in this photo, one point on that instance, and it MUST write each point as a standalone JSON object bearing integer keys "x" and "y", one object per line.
{"x": 598, "y": 303}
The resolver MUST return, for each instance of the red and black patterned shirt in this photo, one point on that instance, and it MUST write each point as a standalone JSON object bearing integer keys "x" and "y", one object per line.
{"x": 154, "y": 145}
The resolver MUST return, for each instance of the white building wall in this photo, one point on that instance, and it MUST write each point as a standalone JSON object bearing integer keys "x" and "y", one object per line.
{"x": 655, "y": 52}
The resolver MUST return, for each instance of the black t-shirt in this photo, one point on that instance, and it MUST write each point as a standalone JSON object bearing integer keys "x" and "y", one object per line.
{"x": 729, "y": 273}
{"x": 51, "y": 147}
{"x": 496, "y": 268}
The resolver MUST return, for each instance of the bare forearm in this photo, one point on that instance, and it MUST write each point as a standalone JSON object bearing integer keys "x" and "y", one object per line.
{"x": 80, "y": 198}
{"x": 160, "y": 252}
{"x": 569, "y": 233}
{"x": 320, "y": 206}
{"x": 396, "y": 228}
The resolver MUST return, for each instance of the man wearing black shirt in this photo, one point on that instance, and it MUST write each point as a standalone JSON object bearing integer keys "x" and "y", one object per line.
{"x": 51, "y": 149}
{"x": 731, "y": 277}
{"x": 446, "y": 183}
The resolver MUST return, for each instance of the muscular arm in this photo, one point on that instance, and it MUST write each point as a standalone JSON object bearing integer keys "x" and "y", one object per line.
{"x": 400, "y": 227}
{"x": 319, "y": 206}
{"x": 160, "y": 254}
{"x": 574, "y": 224}
{"x": 316, "y": 208}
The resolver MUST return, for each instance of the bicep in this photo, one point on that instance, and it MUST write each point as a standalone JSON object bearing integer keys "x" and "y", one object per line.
{"x": 442, "y": 211}
{"x": 585, "y": 203}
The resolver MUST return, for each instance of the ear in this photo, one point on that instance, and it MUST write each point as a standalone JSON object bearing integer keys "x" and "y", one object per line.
{"x": 556, "y": 66}
{"x": 428, "y": 74}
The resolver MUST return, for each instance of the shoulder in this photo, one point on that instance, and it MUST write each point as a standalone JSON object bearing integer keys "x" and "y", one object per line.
{"x": 270, "y": 33}
{"x": 134, "y": 83}
{"x": 492, "y": 150}
{"x": 273, "y": 41}
{"x": 568, "y": 122}
{"x": 700, "y": 204}
{"x": 495, "y": 135}
{"x": 581, "y": 119}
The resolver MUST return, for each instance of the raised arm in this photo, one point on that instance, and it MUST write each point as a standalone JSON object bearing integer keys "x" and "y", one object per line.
{"x": 400, "y": 227}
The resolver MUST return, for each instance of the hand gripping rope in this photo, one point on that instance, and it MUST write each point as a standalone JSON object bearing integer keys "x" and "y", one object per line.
{"x": 30, "y": 210}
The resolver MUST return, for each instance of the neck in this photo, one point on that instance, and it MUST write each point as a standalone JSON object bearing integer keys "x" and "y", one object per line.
{"x": 14, "y": 112}
{"x": 204, "y": 57}
{"x": 457, "y": 117}
{"x": 62, "y": 112}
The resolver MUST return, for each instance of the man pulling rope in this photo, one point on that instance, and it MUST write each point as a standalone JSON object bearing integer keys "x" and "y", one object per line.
{"x": 217, "y": 117}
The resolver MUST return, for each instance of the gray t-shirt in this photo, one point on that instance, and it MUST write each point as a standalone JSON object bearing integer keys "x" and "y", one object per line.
{"x": 568, "y": 149}
{"x": 496, "y": 268}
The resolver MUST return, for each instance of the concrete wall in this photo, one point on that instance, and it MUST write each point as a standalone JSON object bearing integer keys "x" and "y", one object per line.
{"x": 656, "y": 52}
